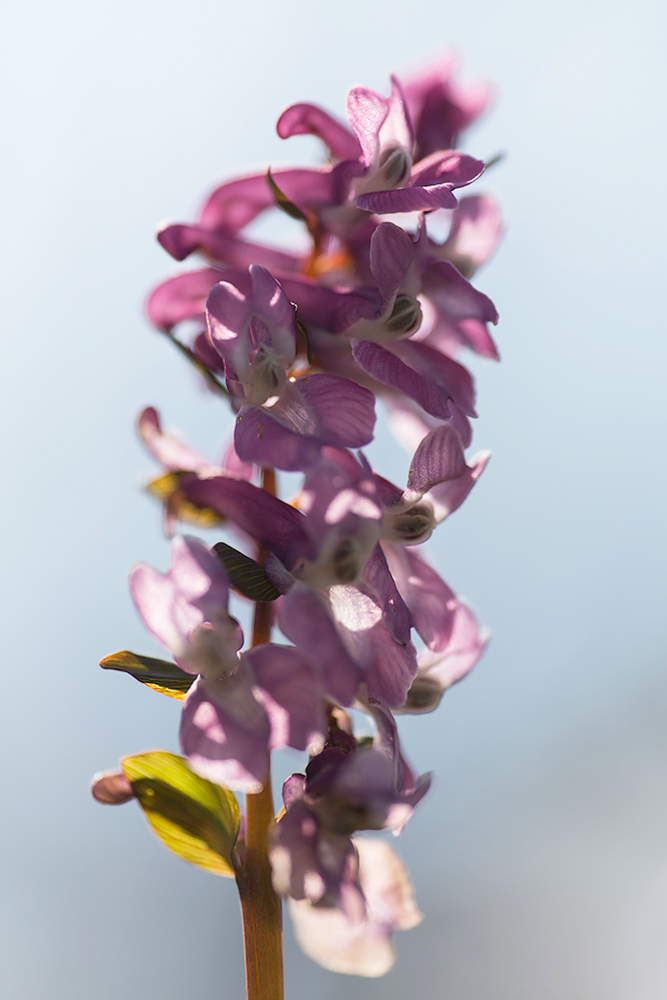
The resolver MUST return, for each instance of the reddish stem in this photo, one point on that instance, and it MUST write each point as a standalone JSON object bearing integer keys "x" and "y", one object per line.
{"x": 260, "y": 906}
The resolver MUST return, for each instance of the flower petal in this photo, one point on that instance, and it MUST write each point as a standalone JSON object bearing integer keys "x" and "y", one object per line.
{"x": 308, "y": 119}
{"x": 290, "y": 688}
{"x": 362, "y": 948}
{"x": 181, "y": 297}
{"x": 388, "y": 369}
{"x": 165, "y": 448}
{"x": 307, "y": 622}
{"x": 407, "y": 199}
{"x": 270, "y": 521}
{"x": 225, "y": 733}
{"x": 367, "y": 110}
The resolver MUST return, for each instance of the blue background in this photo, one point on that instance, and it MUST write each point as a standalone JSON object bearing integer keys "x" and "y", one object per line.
{"x": 540, "y": 858}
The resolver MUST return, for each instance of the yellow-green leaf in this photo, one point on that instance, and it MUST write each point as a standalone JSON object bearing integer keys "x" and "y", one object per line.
{"x": 166, "y": 488}
{"x": 160, "y": 675}
{"x": 245, "y": 574}
{"x": 194, "y": 818}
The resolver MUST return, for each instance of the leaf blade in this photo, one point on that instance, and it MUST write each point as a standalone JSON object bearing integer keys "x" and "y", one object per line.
{"x": 160, "y": 675}
{"x": 246, "y": 575}
{"x": 194, "y": 818}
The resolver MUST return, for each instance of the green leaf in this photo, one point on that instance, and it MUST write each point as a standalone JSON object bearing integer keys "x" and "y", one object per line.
{"x": 194, "y": 818}
{"x": 246, "y": 575}
{"x": 283, "y": 202}
{"x": 161, "y": 675}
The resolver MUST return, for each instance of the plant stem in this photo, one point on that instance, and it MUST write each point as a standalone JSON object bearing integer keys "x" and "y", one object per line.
{"x": 260, "y": 906}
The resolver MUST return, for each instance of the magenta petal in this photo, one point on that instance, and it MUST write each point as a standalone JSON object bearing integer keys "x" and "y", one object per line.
{"x": 181, "y": 297}
{"x": 314, "y": 411}
{"x": 263, "y": 440}
{"x": 407, "y": 199}
{"x": 345, "y": 411}
{"x": 432, "y": 603}
{"x": 391, "y": 253}
{"x": 307, "y": 622}
{"x": 167, "y": 450}
{"x": 476, "y": 336}
{"x": 290, "y": 688}
{"x": 388, "y": 369}
{"x": 438, "y": 458}
{"x": 446, "y": 167}
{"x": 308, "y": 119}
{"x": 194, "y": 591}
{"x": 235, "y": 204}
{"x": 431, "y": 364}
{"x": 225, "y": 733}
{"x": 454, "y": 295}
{"x": 448, "y": 495}
{"x": 274, "y": 524}
{"x": 474, "y": 235}
{"x": 391, "y": 668}
{"x": 203, "y": 350}
{"x": 378, "y": 581}
{"x": 312, "y": 863}
{"x": 369, "y": 633}
{"x": 466, "y": 644}
{"x": 179, "y": 240}
{"x": 329, "y": 309}
{"x": 440, "y": 107}
{"x": 367, "y": 110}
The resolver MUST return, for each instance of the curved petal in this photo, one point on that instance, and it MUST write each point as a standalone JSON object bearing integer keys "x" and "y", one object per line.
{"x": 445, "y": 372}
{"x": 308, "y": 119}
{"x": 431, "y": 602}
{"x": 447, "y": 496}
{"x": 225, "y": 733}
{"x": 180, "y": 241}
{"x": 441, "y": 108}
{"x": 166, "y": 449}
{"x": 181, "y": 297}
{"x": 290, "y": 687}
{"x": 274, "y": 524}
{"x": 307, "y": 622}
{"x": 446, "y": 167}
{"x": 391, "y": 371}
{"x": 454, "y": 295}
{"x": 360, "y": 948}
{"x": 392, "y": 252}
{"x": 262, "y": 439}
{"x": 345, "y": 410}
{"x": 439, "y": 458}
{"x": 466, "y": 645}
{"x": 407, "y": 199}
{"x": 474, "y": 235}
{"x": 367, "y": 111}
{"x": 235, "y": 204}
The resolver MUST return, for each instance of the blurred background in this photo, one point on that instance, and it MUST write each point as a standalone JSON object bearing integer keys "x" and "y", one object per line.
{"x": 540, "y": 857}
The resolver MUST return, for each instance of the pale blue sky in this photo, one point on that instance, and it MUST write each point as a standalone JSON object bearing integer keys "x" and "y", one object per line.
{"x": 540, "y": 858}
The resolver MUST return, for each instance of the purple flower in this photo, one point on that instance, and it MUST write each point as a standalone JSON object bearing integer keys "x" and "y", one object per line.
{"x": 391, "y": 182}
{"x": 474, "y": 234}
{"x": 438, "y": 482}
{"x": 284, "y": 419}
{"x": 240, "y": 707}
{"x": 345, "y": 788}
{"x": 439, "y": 107}
{"x": 360, "y": 947}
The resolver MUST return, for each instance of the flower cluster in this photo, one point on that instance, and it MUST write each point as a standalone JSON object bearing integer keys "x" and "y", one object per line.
{"x": 303, "y": 345}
